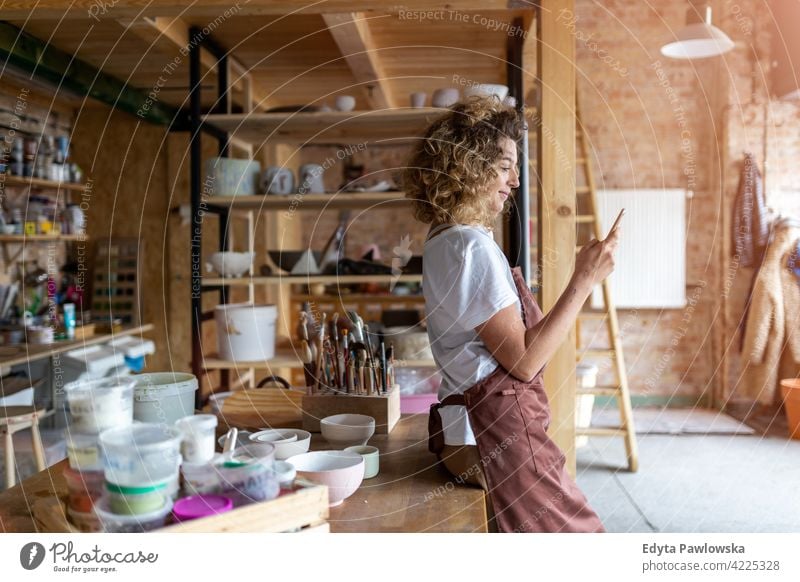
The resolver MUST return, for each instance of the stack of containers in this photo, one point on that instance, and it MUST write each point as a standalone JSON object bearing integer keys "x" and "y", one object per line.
{"x": 95, "y": 405}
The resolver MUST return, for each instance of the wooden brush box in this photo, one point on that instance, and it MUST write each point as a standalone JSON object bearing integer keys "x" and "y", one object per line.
{"x": 384, "y": 409}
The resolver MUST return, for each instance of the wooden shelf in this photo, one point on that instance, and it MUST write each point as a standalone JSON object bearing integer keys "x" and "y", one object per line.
{"x": 39, "y": 238}
{"x": 284, "y": 358}
{"x": 25, "y": 353}
{"x": 390, "y": 126}
{"x": 363, "y": 297}
{"x": 11, "y": 180}
{"x": 309, "y": 279}
{"x": 295, "y": 202}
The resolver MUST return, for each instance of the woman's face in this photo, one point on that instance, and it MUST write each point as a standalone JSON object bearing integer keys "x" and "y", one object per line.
{"x": 507, "y": 178}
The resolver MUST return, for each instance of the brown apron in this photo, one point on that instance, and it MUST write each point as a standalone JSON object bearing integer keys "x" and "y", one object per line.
{"x": 529, "y": 486}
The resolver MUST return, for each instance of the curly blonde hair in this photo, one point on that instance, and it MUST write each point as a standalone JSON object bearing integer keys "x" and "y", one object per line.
{"x": 450, "y": 168}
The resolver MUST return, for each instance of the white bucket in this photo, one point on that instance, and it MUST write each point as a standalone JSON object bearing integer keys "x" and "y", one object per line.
{"x": 246, "y": 332}
{"x": 163, "y": 396}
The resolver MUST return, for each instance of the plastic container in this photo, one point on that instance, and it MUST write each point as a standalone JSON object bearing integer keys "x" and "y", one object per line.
{"x": 163, "y": 397}
{"x": 199, "y": 478}
{"x": 84, "y": 488}
{"x": 246, "y": 332}
{"x": 200, "y": 506}
{"x": 248, "y": 476}
{"x": 791, "y": 404}
{"x": 141, "y": 455}
{"x": 83, "y": 451}
{"x": 136, "y": 500}
{"x": 96, "y": 405}
{"x": 115, "y": 523}
{"x": 198, "y": 433}
{"x": 586, "y": 377}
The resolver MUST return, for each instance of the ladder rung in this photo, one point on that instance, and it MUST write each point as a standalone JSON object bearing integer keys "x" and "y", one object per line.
{"x": 600, "y": 391}
{"x": 582, "y": 190}
{"x": 584, "y": 218}
{"x": 598, "y": 353}
{"x": 601, "y": 431}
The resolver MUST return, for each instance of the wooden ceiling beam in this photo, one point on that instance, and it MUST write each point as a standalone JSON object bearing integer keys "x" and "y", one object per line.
{"x": 352, "y": 35}
{"x": 57, "y": 9}
{"x": 173, "y": 33}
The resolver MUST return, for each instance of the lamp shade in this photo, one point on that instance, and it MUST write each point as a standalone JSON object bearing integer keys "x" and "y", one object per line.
{"x": 698, "y": 40}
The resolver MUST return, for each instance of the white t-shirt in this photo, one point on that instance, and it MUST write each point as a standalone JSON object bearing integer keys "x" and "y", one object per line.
{"x": 466, "y": 279}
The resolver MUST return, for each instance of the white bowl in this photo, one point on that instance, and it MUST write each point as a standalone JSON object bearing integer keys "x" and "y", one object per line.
{"x": 486, "y": 89}
{"x": 291, "y": 441}
{"x": 347, "y": 430}
{"x": 341, "y": 471}
{"x": 445, "y": 97}
{"x": 345, "y": 103}
{"x": 229, "y": 263}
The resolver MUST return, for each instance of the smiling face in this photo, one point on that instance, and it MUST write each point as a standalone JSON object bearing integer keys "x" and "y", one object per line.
{"x": 499, "y": 189}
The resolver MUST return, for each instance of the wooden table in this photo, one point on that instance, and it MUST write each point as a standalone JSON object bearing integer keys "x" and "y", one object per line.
{"x": 411, "y": 493}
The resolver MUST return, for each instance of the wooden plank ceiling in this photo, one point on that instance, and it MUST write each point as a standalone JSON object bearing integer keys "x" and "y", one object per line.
{"x": 294, "y": 59}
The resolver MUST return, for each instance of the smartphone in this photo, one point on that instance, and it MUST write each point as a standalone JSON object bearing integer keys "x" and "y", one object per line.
{"x": 616, "y": 222}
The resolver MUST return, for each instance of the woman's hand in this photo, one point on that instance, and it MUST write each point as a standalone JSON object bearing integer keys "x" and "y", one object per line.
{"x": 595, "y": 261}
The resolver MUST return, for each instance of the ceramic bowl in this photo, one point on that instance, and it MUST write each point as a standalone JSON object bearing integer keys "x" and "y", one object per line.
{"x": 445, "y": 97}
{"x": 285, "y": 472}
{"x": 230, "y": 264}
{"x": 485, "y": 89}
{"x": 291, "y": 441}
{"x": 345, "y": 103}
{"x": 371, "y": 456}
{"x": 347, "y": 430}
{"x": 243, "y": 438}
{"x": 341, "y": 471}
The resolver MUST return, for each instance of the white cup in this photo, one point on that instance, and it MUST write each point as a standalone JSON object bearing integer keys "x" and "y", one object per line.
{"x": 371, "y": 459}
{"x": 418, "y": 99}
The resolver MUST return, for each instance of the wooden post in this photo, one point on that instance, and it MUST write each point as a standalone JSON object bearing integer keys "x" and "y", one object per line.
{"x": 556, "y": 163}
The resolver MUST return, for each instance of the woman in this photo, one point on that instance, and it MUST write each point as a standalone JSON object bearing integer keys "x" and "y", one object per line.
{"x": 489, "y": 339}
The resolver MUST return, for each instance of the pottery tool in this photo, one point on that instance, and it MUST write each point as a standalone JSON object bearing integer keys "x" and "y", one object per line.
{"x": 230, "y": 440}
{"x": 307, "y": 359}
{"x": 371, "y": 356}
{"x": 383, "y": 366}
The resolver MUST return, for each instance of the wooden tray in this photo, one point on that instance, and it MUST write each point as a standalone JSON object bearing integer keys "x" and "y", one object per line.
{"x": 304, "y": 510}
{"x": 384, "y": 409}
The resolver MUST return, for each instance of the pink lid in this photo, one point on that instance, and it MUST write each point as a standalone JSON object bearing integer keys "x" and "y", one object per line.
{"x": 198, "y": 506}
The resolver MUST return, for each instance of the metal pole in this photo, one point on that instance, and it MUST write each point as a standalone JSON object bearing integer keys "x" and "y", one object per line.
{"x": 519, "y": 220}
{"x": 196, "y": 228}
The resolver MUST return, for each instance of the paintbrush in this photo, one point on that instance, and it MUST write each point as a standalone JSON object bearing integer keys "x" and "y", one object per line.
{"x": 307, "y": 358}
{"x": 383, "y": 366}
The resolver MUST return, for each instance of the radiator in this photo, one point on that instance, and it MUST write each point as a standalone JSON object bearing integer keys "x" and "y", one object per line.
{"x": 650, "y": 269}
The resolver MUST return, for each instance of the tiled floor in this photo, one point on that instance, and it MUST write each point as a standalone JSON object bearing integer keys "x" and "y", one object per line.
{"x": 690, "y": 483}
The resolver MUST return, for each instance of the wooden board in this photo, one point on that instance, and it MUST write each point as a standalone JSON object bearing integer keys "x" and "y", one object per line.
{"x": 316, "y": 202}
{"x": 556, "y": 164}
{"x": 384, "y": 409}
{"x": 262, "y": 408}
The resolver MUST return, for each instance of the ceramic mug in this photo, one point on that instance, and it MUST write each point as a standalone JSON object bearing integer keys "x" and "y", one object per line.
{"x": 311, "y": 178}
{"x": 371, "y": 459}
{"x": 418, "y": 99}
{"x": 277, "y": 180}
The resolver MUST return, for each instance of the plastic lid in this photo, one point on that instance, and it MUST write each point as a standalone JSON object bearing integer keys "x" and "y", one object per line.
{"x": 198, "y": 506}
{"x": 126, "y": 490}
{"x": 197, "y": 422}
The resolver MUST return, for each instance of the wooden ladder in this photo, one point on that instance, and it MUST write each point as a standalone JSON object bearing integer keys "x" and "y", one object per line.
{"x": 608, "y": 315}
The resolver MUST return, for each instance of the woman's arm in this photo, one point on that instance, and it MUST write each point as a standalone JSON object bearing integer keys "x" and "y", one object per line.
{"x": 524, "y": 352}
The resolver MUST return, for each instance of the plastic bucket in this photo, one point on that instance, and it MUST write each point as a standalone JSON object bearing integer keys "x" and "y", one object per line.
{"x": 136, "y": 500}
{"x": 198, "y": 437}
{"x": 141, "y": 455}
{"x": 791, "y": 404}
{"x": 96, "y": 405}
{"x": 246, "y": 332}
{"x": 163, "y": 396}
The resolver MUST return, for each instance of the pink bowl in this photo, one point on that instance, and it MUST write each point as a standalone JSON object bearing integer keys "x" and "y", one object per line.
{"x": 341, "y": 471}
